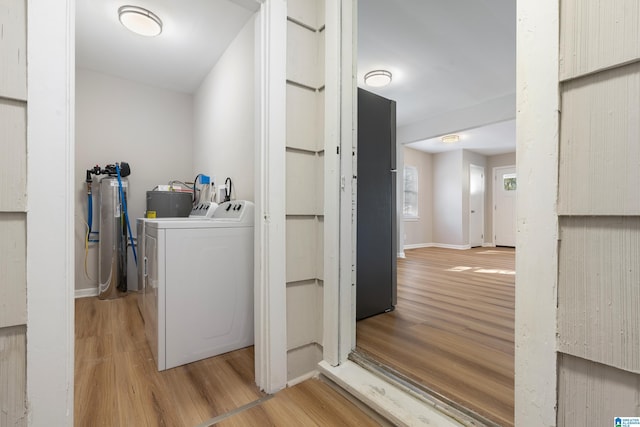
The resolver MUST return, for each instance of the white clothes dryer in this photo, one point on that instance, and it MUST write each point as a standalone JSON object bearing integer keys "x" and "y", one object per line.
{"x": 197, "y": 300}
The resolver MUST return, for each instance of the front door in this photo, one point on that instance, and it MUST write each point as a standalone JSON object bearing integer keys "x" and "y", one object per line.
{"x": 504, "y": 214}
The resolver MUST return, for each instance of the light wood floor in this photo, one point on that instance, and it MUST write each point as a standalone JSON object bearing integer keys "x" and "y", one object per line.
{"x": 311, "y": 403}
{"x": 117, "y": 383}
{"x": 453, "y": 327}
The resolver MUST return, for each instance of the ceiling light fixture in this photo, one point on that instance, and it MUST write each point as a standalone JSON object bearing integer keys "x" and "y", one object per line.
{"x": 450, "y": 139}
{"x": 377, "y": 78}
{"x": 140, "y": 21}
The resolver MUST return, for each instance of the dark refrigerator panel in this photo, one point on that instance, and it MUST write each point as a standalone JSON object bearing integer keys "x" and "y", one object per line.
{"x": 376, "y": 205}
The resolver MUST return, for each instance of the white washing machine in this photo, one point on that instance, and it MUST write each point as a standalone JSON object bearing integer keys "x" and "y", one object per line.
{"x": 197, "y": 300}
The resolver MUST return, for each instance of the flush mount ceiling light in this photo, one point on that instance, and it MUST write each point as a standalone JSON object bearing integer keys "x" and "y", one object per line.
{"x": 140, "y": 21}
{"x": 377, "y": 78}
{"x": 450, "y": 139}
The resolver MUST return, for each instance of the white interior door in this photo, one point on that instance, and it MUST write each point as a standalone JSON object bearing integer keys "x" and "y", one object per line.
{"x": 505, "y": 186}
{"x": 476, "y": 205}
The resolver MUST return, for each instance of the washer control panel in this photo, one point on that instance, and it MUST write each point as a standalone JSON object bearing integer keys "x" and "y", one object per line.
{"x": 234, "y": 209}
{"x": 203, "y": 210}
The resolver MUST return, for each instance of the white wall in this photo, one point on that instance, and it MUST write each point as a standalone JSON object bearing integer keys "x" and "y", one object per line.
{"x": 224, "y": 106}
{"x": 439, "y": 206}
{"x": 419, "y": 231}
{"x": 120, "y": 120}
{"x": 443, "y": 206}
{"x": 447, "y": 198}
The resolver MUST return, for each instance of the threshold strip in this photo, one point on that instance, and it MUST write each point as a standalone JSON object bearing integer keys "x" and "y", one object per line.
{"x": 463, "y": 415}
{"x": 219, "y": 418}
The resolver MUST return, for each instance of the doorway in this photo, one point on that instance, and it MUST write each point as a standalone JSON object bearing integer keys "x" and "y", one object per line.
{"x": 160, "y": 126}
{"x": 454, "y": 173}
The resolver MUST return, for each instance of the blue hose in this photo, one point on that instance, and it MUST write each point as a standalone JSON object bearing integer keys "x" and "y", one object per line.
{"x": 90, "y": 219}
{"x": 126, "y": 215}
{"x": 90, "y": 216}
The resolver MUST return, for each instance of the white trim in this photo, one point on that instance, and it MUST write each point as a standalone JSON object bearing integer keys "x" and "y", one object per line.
{"x": 302, "y": 378}
{"x": 340, "y": 189}
{"x": 537, "y": 132}
{"x": 401, "y": 255}
{"x": 394, "y": 404}
{"x": 50, "y": 212}
{"x": 331, "y": 294}
{"x": 445, "y": 246}
{"x": 418, "y": 246}
{"x": 349, "y": 158}
{"x": 488, "y": 245}
{"x": 437, "y": 245}
{"x": 270, "y": 246}
{"x": 86, "y": 293}
{"x": 400, "y": 234}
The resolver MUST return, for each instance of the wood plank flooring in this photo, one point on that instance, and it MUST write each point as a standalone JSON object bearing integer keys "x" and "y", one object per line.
{"x": 311, "y": 403}
{"x": 453, "y": 327}
{"x": 117, "y": 383}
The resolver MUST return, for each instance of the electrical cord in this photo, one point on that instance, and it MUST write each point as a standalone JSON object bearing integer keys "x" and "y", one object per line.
{"x": 227, "y": 194}
{"x": 175, "y": 181}
{"x": 195, "y": 183}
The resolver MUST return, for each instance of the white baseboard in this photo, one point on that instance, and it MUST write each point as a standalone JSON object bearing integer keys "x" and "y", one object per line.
{"x": 401, "y": 255}
{"x": 445, "y": 246}
{"x": 302, "y": 378}
{"x": 87, "y": 292}
{"x": 488, "y": 245}
{"x": 418, "y": 246}
{"x": 437, "y": 245}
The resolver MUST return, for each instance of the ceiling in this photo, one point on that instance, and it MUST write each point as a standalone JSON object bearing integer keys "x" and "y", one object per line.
{"x": 448, "y": 58}
{"x": 489, "y": 140}
{"x": 195, "y": 34}
{"x": 453, "y": 58}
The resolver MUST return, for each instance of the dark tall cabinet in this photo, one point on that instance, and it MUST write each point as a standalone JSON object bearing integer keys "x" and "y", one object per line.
{"x": 376, "y": 203}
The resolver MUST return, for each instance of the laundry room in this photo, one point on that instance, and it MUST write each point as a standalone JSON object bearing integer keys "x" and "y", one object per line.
{"x": 171, "y": 106}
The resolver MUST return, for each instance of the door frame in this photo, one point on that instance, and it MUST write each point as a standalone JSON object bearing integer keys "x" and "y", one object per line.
{"x": 270, "y": 245}
{"x": 339, "y": 327}
{"x": 50, "y": 236}
{"x": 537, "y": 125}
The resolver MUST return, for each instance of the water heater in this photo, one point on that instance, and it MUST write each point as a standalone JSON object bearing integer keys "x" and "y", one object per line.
{"x": 112, "y": 247}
